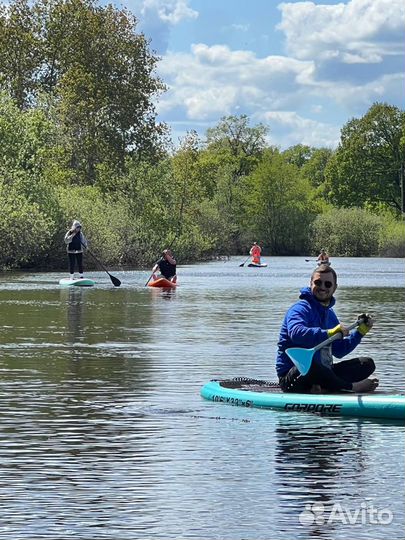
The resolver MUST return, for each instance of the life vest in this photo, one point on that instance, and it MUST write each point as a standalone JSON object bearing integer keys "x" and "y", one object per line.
{"x": 255, "y": 253}
{"x": 75, "y": 244}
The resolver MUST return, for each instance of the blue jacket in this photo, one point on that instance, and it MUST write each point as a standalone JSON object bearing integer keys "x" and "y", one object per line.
{"x": 305, "y": 325}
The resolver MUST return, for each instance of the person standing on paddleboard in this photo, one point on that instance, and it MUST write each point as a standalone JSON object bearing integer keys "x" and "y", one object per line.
{"x": 75, "y": 241}
{"x": 311, "y": 321}
{"x": 255, "y": 253}
{"x": 323, "y": 258}
{"x": 167, "y": 266}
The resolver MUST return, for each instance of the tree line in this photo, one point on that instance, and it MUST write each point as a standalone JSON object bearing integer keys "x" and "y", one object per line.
{"x": 79, "y": 139}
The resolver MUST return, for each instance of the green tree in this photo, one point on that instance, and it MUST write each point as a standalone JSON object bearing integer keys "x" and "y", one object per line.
{"x": 26, "y": 149}
{"x": 366, "y": 168}
{"x": 233, "y": 136}
{"x": 20, "y": 53}
{"x": 281, "y": 205}
{"x": 314, "y": 168}
{"x": 185, "y": 183}
{"x": 106, "y": 86}
{"x": 26, "y": 230}
{"x": 298, "y": 155}
{"x": 234, "y": 149}
{"x": 97, "y": 72}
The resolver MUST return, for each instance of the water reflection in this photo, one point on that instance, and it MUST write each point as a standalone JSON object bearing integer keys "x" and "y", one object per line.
{"x": 309, "y": 462}
{"x": 73, "y": 301}
{"x": 104, "y": 434}
{"x": 166, "y": 294}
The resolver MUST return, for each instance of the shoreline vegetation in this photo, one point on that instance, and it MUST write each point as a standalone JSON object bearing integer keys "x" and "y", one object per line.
{"x": 79, "y": 140}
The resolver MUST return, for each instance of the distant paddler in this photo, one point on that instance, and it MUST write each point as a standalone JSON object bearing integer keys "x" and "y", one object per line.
{"x": 255, "y": 252}
{"x": 323, "y": 258}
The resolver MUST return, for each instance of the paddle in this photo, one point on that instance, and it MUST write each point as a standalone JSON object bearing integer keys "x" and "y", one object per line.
{"x": 302, "y": 358}
{"x": 153, "y": 271}
{"x": 115, "y": 281}
{"x": 244, "y": 262}
{"x": 311, "y": 260}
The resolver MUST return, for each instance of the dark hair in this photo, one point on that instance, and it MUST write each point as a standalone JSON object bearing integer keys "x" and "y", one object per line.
{"x": 324, "y": 269}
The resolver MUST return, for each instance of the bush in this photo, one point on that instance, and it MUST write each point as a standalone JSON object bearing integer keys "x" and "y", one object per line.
{"x": 392, "y": 238}
{"x": 105, "y": 221}
{"x": 26, "y": 230}
{"x": 347, "y": 232}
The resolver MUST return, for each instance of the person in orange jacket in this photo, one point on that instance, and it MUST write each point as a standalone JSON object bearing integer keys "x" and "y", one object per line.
{"x": 255, "y": 252}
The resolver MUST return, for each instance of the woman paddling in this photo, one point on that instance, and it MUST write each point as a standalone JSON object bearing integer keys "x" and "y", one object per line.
{"x": 75, "y": 241}
{"x": 167, "y": 266}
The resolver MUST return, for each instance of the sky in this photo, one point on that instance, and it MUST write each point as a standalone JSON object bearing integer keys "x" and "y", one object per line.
{"x": 301, "y": 68}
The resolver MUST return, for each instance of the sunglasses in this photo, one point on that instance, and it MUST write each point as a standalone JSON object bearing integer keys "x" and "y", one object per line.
{"x": 327, "y": 284}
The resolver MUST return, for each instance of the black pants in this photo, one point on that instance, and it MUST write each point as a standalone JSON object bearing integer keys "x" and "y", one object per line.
{"x": 339, "y": 377}
{"x": 73, "y": 258}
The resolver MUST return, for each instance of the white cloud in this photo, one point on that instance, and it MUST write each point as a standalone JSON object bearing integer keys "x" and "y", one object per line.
{"x": 288, "y": 128}
{"x": 358, "y": 98}
{"x": 342, "y": 58}
{"x": 212, "y": 81}
{"x": 240, "y": 27}
{"x": 157, "y": 19}
{"x": 169, "y": 11}
{"x": 366, "y": 30}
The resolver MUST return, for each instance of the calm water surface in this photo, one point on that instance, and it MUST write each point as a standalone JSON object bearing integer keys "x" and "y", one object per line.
{"x": 104, "y": 434}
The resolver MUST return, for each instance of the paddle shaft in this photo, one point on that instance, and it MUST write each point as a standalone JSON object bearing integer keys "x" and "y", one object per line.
{"x": 339, "y": 335}
{"x": 115, "y": 281}
{"x": 150, "y": 277}
{"x": 302, "y": 358}
{"x": 245, "y": 261}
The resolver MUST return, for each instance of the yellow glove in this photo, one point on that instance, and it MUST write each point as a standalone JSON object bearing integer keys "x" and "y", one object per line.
{"x": 366, "y": 324}
{"x": 335, "y": 330}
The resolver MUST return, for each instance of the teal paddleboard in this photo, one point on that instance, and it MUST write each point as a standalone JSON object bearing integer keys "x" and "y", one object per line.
{"x": 244, "y": 392}
{"x": 67, "y": 282}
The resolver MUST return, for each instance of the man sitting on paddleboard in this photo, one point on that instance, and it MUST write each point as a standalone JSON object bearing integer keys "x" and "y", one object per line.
{"x": 311, "y": 321}
{"x": 255, "y": 252}
{"x": 166, "y": 265}
{"x": 75, "y": 241}
{"x": 323, "y": 258}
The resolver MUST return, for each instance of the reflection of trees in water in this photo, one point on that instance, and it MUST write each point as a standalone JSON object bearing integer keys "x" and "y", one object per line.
{"x": 107, "y": 340}
{"x": 310, "y": 461}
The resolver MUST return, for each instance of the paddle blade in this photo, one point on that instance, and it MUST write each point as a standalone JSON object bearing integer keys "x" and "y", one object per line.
{"x": 243, "y": 264}
{"x": 115, "y": 281}
{"x": 302, "y": 359}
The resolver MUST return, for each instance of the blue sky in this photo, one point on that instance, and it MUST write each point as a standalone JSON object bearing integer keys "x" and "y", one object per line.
{"x": 302, "y": 68}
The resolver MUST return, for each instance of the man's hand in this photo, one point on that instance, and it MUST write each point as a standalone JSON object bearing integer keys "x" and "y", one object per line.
{"x": 339, "y": 328}
{"x": 366, "y": 324}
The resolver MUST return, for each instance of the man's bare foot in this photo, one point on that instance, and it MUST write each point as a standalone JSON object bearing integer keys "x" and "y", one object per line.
{"x": 366, "y": 385}
{"x": 316, "y": 389}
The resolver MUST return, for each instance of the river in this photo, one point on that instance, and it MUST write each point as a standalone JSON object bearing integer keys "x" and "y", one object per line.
{"x": 104, "y": 433}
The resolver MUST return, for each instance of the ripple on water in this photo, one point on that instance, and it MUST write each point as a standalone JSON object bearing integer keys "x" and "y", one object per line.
{"x": 104, "y": 434}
